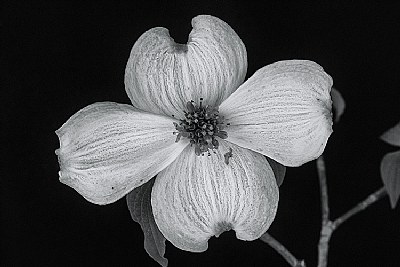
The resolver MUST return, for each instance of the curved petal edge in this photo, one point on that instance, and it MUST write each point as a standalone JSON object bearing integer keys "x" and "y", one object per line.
{"x": 108, "y": 149}
{"x": 283, "y": 111}
{"x": 197, "y": 197}
{"x": 161, "y": 76}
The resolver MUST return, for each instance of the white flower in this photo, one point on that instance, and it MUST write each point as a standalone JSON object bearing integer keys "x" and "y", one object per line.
{"x": 283, "y": 111}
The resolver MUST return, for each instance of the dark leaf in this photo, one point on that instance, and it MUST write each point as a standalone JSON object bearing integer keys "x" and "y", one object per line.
{"x": 279, "y": 170}
{"x": 390, "y": 172}
{"x": 392, "y": 136}
{"x": 139, "y": 205}
{"x": 338, "y": 104}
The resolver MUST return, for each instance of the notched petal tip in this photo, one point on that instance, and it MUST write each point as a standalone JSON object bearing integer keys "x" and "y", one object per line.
{"x": 196, "y": 198}
{"x": 222, "y": 227}
{"x": 161, "y": 75}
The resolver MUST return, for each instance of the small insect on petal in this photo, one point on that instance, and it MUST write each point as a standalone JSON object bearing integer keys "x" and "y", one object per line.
{"x": 178, "y": 137}
{"x": 227, "y": 155}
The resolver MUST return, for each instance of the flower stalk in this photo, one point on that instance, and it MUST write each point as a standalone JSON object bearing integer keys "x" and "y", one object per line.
{"x": 372, "y": 198}
{"x": 275, "y": 244}
{"x": 329, "y": 226}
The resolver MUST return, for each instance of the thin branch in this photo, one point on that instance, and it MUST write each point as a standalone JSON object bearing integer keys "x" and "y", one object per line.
{"x": 326, "y": 227}
{"x": 267, "y": 238}
{"x": 372, "y": 198}
{"x": 323, "y": 245}
{"x": 323, "y": 189}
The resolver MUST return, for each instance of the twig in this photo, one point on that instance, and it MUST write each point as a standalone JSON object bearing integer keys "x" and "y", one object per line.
{"x": 267, "y": 238}
{"x": 328, "y": 227}
{"x": 378, "y": 194}
{"x": 323, "y": 189}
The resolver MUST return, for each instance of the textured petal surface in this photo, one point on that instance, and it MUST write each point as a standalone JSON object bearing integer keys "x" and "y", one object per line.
{"x": 108, "y": 149}
{"x": 161, "y": 76}
{"x": 283, "y": 111}
{"x": 197, "y": 197}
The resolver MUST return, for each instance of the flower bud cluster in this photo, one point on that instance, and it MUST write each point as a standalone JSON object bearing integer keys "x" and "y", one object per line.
{"x": 201, "y": 125}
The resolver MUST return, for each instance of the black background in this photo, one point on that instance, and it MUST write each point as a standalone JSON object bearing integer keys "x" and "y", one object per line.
{"x": 60, "y": 57}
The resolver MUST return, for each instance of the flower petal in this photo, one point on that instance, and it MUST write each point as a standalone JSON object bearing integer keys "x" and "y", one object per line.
{"x": 197, "y": 197}
{"x": 161, "y": 76}
{"x": 108, "y": 149}
{"x": 283, "y": 111}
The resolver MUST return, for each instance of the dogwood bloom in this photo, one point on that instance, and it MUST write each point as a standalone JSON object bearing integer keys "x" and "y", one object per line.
{"x": 202, "y": 131}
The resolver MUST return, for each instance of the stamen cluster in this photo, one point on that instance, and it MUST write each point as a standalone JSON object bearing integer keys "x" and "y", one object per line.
{"x": 201, "y": 125}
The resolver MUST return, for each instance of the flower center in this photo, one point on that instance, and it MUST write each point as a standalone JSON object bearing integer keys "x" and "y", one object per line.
{"x": 201, "y": 125}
